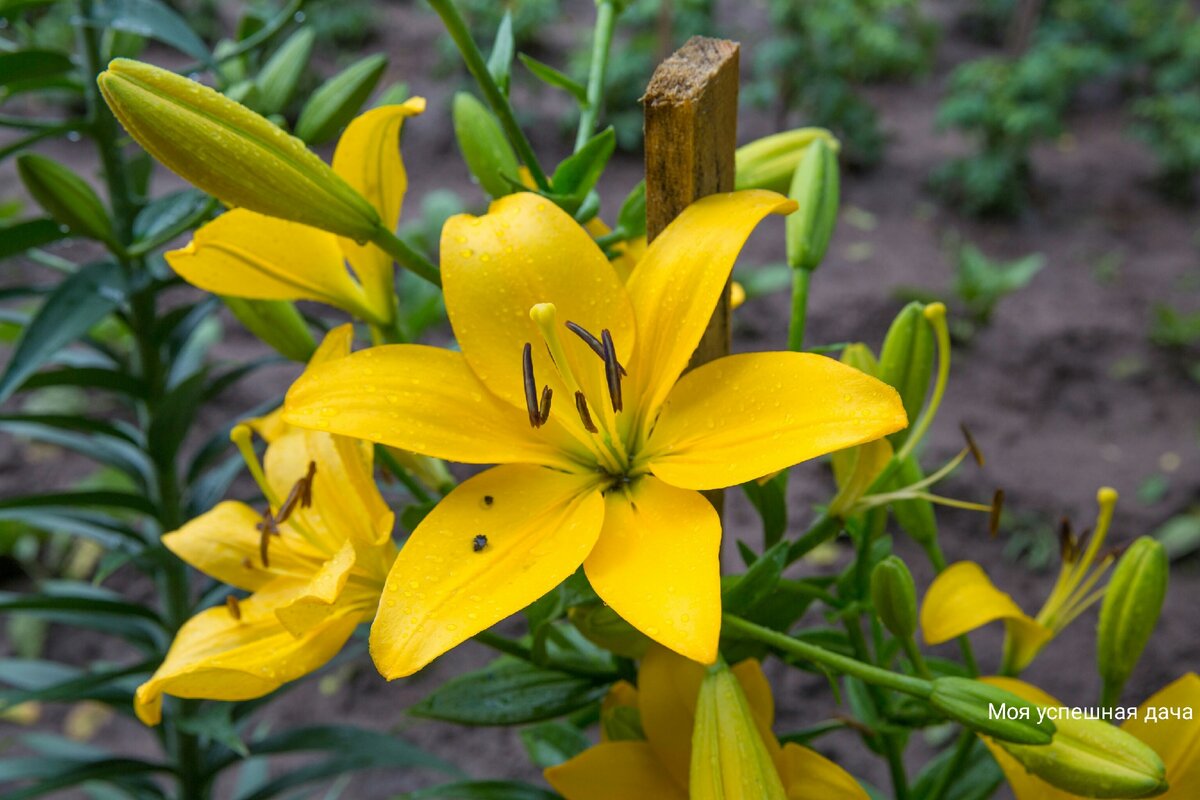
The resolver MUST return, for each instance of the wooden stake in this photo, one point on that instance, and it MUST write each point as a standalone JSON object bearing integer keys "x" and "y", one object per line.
{"x": 690, "y": 111}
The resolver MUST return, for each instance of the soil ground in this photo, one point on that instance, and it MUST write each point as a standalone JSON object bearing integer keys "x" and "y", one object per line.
{"x": 1063, "y": 390}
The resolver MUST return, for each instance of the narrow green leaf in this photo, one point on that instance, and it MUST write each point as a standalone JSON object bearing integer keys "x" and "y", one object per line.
{"x": 746, "y": 591}
{"x": 481, "y": 790}
{"x": 500, "y": 61}
{"x": 281, "y": 74}
{"x": 24, "y": 65}
{"x": 337, "y": 100}
{"x": 549, "y": 75}
{"x": 154, "y": 20}
{"x": 22, "y": 236}
{"x": 508, "y": 693}
{"x": 551, "y": 743}
{"x": 81, "y": 301}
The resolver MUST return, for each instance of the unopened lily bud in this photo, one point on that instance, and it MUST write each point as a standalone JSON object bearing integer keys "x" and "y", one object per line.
{"x": 730, "y": 761}
{"x": 278, "y": 78}
{"x": 277, "y": 323}
{"x": 1092, "y": 758}
{"x": 859, "y": 356}
{"x": 484, "y": 146}
{"x": 991, "y": 711}
{"x": 895, "y": 597}
{"x": 232, "y": 153}
{"x": 815, "y": 187}
{"x": 338, "y": 99}
{"x": 430, "y": 471}
{"x": 65, "y": 196}
{"x": 914, "y": 516}
{"x": 1132, "y": 603}
{"x": 770, "y": 162}
{"x": 604, "y": 627}
{"x": 906, "y": 361}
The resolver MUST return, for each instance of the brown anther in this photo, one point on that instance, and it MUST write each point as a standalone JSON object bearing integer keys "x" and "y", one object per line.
{"x": 267, "y": 529}
{"x": 612, "y": 370}
{"x": 582, "y": 407}
{"x": 591, "y": 341}
{"x": 544, "y": 407}
{"x": 300, "y": 494}
{"x": 235, "y": 610}
{"x": 531, "y": 397}
{"x": 976, "y": 453}
{"x": 1066, "y": 541}
{"x": 994, "y": 516}
{"x": 306, "y": 492}
{"x": 247, "y": 563}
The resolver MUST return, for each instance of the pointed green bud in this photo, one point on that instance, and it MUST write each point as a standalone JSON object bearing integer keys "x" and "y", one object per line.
{"x": 730, "y": 761}
{"x": 277, "y": 323}
{"x": 859, "y": 356}
{"x": 484, "y": 147}
{"x": 894, "y": 596}
{"x": 232, "y": 153}
{"x": 770, "y": 162}
{"x": 66, "y": 197}
{"x": 815, "y": 187}
{"x": 1092, "y": 758}
{"x": 604, "y": 627}
{"x": 337, "y": 100}
{"x": 906, "y": 361}
{"x": 915, "y": 517}
{"x": 279, "y": 77}
{"x": 1132, "y": 603}
{"x": 991, "y": 711}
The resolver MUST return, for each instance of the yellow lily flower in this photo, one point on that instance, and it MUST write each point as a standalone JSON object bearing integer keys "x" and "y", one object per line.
{"x": 244, "y": 253}
{"x": 611, "y": 477}
{"x": 1175, "y": 740}
{"x": 963, "y": 598}
{"x": 315, "y": 564}
{"x": 657, "y": 765}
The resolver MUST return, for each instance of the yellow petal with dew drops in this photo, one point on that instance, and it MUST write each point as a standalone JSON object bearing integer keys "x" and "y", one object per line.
{"x": 224, "y": 543}
{"x": 744, "y": 416}
{"x": 218, "y": 656}
{"x": 1176, "y": 740}
{"x": 629, "y": 770}
{"x": 676, "y": 285}
{"x": 668, "y": 686}
{"x": 244, "y": 254}
{"x": 345, "y": 502}
{"x": 657, "y": 563}
{"x": 963, "y": 598}
{"x": 368, "y": 158}
{"x": 495, "y": 544}
{"x": 496, "y": 267}
{"x": 808, "y": 775}
{"x": 423, "y": 399}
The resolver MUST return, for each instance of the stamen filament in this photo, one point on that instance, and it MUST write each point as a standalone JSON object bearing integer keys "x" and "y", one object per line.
{"x": 545, "y": 315}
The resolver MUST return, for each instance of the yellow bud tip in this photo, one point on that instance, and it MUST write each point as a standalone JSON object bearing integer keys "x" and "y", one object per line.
{"x": 935, "y": 312}
{"x": 544, "y": 314}
{"x": 737, "y": 295}
{"x": 1106, "y": 497}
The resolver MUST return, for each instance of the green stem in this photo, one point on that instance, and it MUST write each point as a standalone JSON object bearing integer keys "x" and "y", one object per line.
{"x": 276, "y": 24}
{"x": 892, "y": 747}
{"x": 410, "y": 483}
{"x": 800, "y": 279}
{"x": 407, "y": 257}
{"x": 868, "y": 673}
{"x": 822, "y": 530}
{"x": 456, "y": 26}
{"x": 945, "y": 780}
{"x": 914, "y": 655}
{"x": 606, "y": 17}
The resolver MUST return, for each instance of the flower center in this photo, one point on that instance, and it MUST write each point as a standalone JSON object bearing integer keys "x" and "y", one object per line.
{"x": 600, "y": 434}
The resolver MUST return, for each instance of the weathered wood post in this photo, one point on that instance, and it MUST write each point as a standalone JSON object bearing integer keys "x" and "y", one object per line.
{"x": 690, "y": 111}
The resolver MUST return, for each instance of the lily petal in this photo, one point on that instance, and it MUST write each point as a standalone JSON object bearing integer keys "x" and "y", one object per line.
{"x": 668, "y": 688}
{"x": 368, "y": 158}
{"x": 629, "y": 770}
{"x": 224, "y": 543}
{"x": 324, "y": 589}
{"x": 526, "y": 251}
{"x": 744, "y": 416}
{"x": 418, "y": 398}
{"x": 218, "y": 657}
{"x": 676, "y": 285}
{"x": 244, "y": 254}
{"x": 963, "y": 598}
{"x": 808, "y": 775}
{"x": 754, "y": 683}
{"x": 650, "y": 527}
{"x": 1177, "y": 741}
{"x": 447, "y": 585}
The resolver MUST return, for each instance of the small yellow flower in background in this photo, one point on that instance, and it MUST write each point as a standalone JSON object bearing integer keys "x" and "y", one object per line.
{"x": 572, "y": 382}
{"x": 244, "y": 253}
{"x": 963, "y": 598}
{"x": 657, "y": 739}
{"x": 314, "y": 562}
{"x": 1175, "y": 740}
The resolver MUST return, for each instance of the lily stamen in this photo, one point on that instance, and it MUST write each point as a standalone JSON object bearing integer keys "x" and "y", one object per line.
{"x": 267, "y": 527}
{"x": 544, "y": 407}
{"x": 592, "y": 342}
{"x": 976, "y": 453}
{"x": 235, "y": 610}
{"x": 612, "y": 370}
{"x": 584, "y": 416}
{"x": 301, "y": 494}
